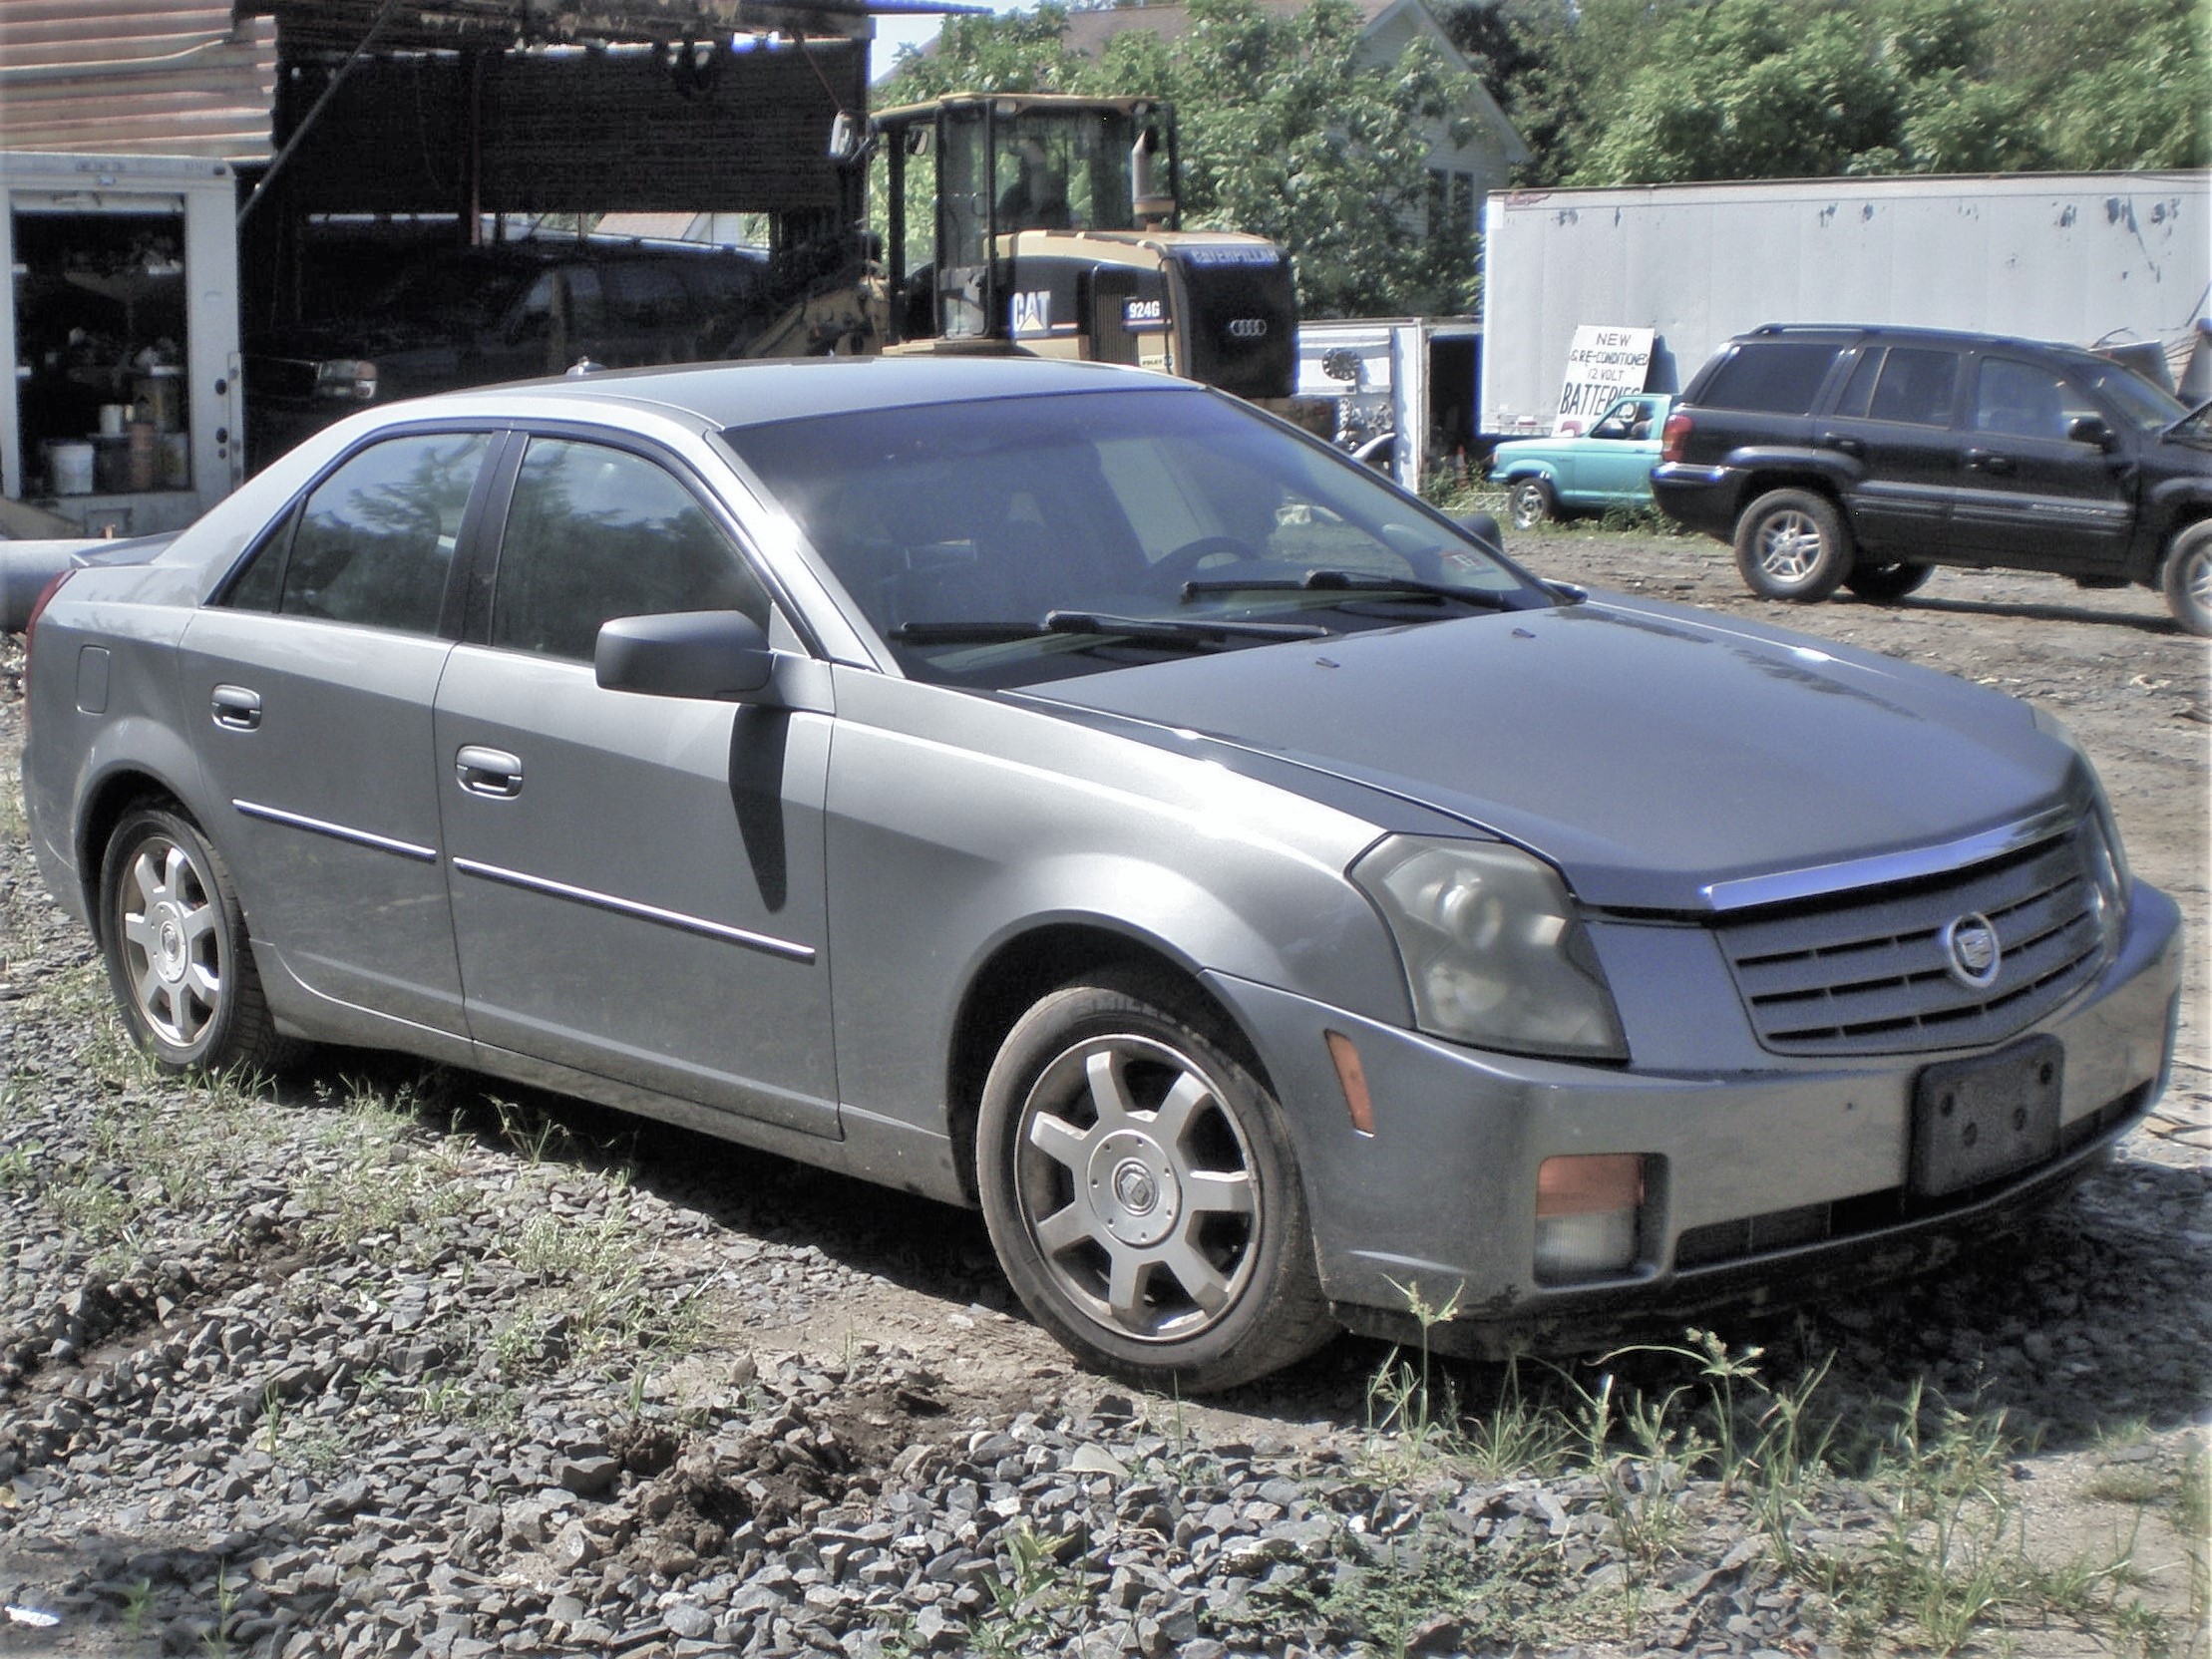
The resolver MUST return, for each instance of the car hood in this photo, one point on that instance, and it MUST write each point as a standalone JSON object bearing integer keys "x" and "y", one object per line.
{"x": 1649, "y": 751}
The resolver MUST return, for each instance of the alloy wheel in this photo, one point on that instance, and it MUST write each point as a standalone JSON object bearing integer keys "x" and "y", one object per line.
{"x": 1136, "y": 1183}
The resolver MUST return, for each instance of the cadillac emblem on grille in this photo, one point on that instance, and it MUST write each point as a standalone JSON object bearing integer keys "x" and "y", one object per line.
{"x": 1970, "y": 952}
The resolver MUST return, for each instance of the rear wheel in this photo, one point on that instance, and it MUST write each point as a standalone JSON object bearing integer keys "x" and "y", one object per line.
{"x": 177, "y": 952}
{"x": 1892, "y": 579}
{"x": 1792, "y": 545}
{"x": 2188, "y": 577}
{"x": 1529, "y": 500}
{"x": 1139, "y": 1189}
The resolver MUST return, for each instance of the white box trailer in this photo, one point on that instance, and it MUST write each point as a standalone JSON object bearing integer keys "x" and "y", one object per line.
{"x": 1381, "y": 377}
{"x": 123, "y": 411}
{"x": 2090, "y": 259}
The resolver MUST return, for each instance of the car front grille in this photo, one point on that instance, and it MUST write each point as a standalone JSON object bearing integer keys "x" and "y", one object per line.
{"x": 1868, "y": 971}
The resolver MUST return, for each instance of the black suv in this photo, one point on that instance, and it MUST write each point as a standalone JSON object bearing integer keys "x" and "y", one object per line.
{"x": 451, "y": 317}
{"x": 1864, "y": 456}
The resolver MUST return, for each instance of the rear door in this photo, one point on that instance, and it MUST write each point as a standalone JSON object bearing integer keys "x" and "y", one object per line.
{"x": 312, "y": 682}
{"x": 1892, "y": 423}
{"x": 636, "y": 881}
{"x": 2029, "y": 495}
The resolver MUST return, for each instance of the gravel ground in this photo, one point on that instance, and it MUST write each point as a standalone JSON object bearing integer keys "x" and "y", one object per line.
{"x": 393, "y": 1360}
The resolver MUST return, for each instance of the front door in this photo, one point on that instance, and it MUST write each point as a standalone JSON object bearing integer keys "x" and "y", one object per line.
{"x": 638, "y": 882}
{"x": 2029, "y": 496}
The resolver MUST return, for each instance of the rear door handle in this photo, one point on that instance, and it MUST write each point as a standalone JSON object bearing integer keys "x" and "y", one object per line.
{"x": 1989, "y": 461}
{"x": 237, "y": 708}
{"x": 490, "y": 772}
{"x": 1846, "y": 446}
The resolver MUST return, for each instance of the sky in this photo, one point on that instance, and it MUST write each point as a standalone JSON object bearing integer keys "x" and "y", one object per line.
{"x": 893, "y": 32}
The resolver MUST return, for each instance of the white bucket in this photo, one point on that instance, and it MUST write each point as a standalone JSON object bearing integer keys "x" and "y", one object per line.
{"x": 71, "y": 465}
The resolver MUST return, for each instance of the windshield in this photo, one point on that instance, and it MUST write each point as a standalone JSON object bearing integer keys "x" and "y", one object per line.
{"x": 2134, "y": 398}
{"x": 1021, "y": 539}
{"x": 471, "y": 292}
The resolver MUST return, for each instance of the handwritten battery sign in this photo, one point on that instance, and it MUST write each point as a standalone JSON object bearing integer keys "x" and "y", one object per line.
{"x": 1602, "y": 363}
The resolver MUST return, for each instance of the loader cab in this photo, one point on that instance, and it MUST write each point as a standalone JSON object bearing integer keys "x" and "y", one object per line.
{"x": 969, "y": 175}
{"x": 1047, "y": 224}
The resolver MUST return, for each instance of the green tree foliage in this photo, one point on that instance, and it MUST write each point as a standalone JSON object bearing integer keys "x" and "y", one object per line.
{"x": 1282, "y": 133}
{"x": 1660, "y": 91}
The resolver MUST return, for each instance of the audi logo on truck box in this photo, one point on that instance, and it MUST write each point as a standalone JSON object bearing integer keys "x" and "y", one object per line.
{"x": 1247, "y": 328}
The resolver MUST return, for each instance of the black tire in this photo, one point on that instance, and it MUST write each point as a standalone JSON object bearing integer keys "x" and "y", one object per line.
{"x": 1216, "y": 1282}
{"x": 2187, "y": 577}
{"x": 1529, "y": 502}
{"x": 177, "y": 950}
{"x": 1889, "y": 581}
{"x": 1792, "y": 545}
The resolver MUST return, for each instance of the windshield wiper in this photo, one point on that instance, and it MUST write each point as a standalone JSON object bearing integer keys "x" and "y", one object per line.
{"x": 1352, "y": 582}
{"x": 1189, "y": 633}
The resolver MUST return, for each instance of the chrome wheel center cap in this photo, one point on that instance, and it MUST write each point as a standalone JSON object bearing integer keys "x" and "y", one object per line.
{"x": 1133, "y": 1186}
{"x": 169, "y": 958}
{"x": 1133, "y": 1190}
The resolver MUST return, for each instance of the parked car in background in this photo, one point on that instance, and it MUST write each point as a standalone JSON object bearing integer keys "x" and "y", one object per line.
{"x": 451, "y": 317}
{"x": 1065, "y": 790}
{"x": 1610, "y": 465}
{"x": 1864, "y": 457}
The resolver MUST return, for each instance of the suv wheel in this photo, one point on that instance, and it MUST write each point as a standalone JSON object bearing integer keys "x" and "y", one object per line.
{"x": 1891, "y": 580}
{"x": 1792, "y": 545}
{"x": 2188, "y": 580}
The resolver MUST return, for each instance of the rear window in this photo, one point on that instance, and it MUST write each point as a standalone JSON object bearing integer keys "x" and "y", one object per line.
{"x": 1769, "y": 376}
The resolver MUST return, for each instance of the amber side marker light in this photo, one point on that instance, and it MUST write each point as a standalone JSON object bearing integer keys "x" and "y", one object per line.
{"x": 1352, "y": 1077}
{"x": 1588, "y": 1210}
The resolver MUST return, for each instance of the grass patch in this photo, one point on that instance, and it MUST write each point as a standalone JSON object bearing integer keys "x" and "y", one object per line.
{"x": 1677, "y": 1440}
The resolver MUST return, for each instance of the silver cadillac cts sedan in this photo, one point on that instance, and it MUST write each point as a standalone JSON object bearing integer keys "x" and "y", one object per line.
{"x": 1066, "y": 790}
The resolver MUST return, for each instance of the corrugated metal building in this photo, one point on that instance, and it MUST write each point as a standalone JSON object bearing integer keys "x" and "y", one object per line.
{"x": 136, "y": 78}
{"x": 449, "y": 106}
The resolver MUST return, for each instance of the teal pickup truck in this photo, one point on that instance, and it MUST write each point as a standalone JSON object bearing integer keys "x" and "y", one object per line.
{"x": 1608, "y": 466}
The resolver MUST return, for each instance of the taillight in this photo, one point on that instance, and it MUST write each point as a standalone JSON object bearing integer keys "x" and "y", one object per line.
{"x": 30, "y": 636}
{"x": 1674, "y": 437}
{"x": 38, "y": 609}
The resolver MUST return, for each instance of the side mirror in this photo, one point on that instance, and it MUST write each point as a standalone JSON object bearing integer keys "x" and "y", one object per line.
{"x": 716, "y": 654}
{"x": 849, "y": 138}
{"x": 1484, "y": 529}
{"x": 2090, "y": 429}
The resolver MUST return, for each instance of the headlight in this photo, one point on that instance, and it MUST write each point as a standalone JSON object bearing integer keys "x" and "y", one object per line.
{"x": 1494, "y": 951}
{"x": 2103, "y": 851}
{"x": 346, "y": 380}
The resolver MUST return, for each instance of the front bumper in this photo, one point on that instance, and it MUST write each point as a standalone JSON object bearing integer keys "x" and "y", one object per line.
{"x": 1703, "y": 499}
{"x": 1762, "y": 1185}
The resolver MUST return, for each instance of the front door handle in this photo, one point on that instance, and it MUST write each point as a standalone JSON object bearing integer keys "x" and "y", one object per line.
{"x": 492, "y": 771}
{"x": 237, "y": 708}
{"x": 1989, "y": 461}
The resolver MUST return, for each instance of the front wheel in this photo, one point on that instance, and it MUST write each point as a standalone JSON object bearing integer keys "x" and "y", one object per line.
{"x": 2188, "y": 577}
{"x": 177, "y": 952}
{"x": 1792, "y": 545}
{"x": 1529, "y": 501}
{"x": 1140, "y": 1191}
{"x": 1888, "y": 581}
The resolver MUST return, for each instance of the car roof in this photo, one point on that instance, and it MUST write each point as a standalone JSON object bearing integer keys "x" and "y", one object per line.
{"x": 741, "y": 394}
{"x": 1895, "y": 332}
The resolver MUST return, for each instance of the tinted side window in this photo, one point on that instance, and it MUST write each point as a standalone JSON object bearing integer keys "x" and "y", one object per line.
{"x": 376, "y": 539}
{"x": 641, "y": 295}
{"x": 2021, "y": 400}
{"x": 1917, "y": 387}
{"x": 597, "y": 532}
{"x": 1775, "y": 377}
